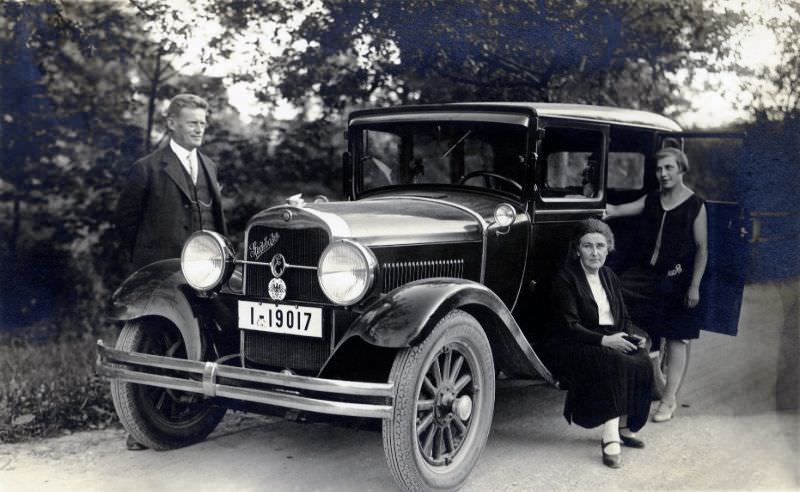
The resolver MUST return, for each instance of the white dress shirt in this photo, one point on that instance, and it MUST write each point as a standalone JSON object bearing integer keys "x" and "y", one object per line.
{"x": 187, "y": 157}
{"x": 600, "y": 298}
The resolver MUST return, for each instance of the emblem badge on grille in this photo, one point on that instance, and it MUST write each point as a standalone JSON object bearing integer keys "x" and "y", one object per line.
{"x": 277, "y": 289}
{"x": 287, "y": 215}
{"x": 277, "y": 265}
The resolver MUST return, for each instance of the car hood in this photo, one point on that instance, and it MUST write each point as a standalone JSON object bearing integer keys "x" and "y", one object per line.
{"x": 389, "y": 220}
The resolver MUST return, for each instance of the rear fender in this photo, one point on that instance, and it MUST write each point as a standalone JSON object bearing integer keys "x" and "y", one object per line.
{"x": 159, "y": 289}
{"x": 405, "y": 316}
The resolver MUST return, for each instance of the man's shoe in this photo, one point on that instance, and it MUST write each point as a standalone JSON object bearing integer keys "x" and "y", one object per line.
{"x": 611, "y": 460}
{"x": 664, "y": 412}
{"x": 132, "y": 444}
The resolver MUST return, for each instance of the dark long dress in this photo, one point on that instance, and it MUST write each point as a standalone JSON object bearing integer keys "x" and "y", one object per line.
{"x": 656, "y": 293}
{"x": 603, "y": 383}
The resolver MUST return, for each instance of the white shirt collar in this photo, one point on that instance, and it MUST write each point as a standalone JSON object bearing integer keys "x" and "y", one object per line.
{"x": 180, "y": 150}
{"x": 183, "y": 155}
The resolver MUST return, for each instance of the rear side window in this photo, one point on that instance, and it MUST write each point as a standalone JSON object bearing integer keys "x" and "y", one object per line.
{"x": 628, "y": 152}
{"x": 572, "y": 163}
{"x": 625, "y": 171}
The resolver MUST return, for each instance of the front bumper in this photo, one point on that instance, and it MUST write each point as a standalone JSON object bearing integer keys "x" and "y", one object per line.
{"x": 329, "y": 396}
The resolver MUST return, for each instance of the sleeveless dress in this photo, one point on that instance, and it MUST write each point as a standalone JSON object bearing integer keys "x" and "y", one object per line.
{"x": 656, "y": 291}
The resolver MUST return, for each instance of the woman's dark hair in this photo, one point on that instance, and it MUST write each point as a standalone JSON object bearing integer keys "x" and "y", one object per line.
{"x": 588, "y": 226}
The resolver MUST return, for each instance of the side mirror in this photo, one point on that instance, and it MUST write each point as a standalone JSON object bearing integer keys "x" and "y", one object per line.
{"x": 347, "y": 175}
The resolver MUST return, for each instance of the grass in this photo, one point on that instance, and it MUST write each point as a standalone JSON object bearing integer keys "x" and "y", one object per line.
{"x": 50, "y": 388}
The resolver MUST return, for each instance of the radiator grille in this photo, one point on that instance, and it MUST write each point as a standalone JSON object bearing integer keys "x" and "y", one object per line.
{"x": 286, "y": 351}
{"x": 299, "y": 247}
{"x": 400, "y": 273}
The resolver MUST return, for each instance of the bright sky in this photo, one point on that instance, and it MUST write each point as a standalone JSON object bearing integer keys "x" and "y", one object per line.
{"x": 717, "y": 99}
{"x": 723, "y": 104}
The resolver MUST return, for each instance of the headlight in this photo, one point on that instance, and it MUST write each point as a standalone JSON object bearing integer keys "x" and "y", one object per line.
{"x": 206, "y": 260}
{"x": 346, "y": 270}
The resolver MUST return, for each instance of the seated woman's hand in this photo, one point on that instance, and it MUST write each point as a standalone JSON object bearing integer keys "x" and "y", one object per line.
{"x": 637, "y": 340}
{"x": 618, "y": 342}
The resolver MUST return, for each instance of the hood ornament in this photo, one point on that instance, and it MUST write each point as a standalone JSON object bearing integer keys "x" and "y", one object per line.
{"x": 296, "y": 200}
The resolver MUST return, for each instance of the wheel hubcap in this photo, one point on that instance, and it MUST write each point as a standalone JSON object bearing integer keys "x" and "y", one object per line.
{"x": 462, "y": 407}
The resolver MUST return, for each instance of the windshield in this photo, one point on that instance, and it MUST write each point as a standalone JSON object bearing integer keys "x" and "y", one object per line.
{"x": 481, "y": 154}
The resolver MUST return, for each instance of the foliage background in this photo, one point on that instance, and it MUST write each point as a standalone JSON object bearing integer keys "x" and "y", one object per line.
{"x": 83, "y": 84}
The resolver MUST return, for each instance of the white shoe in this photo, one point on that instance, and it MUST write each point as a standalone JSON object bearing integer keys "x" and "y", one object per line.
{"x": 664, "y": 412}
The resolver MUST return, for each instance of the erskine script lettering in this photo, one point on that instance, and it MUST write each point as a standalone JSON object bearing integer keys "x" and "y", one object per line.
{"x": 258, "y": 248}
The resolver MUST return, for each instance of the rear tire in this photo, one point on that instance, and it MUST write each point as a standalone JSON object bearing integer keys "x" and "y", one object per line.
{"x": 443, "y": 405}
{"x": 160, "y": 418}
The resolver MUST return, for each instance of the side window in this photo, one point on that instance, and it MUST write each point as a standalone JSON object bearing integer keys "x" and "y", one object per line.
{"x": 628, "y": 152}
{"x": 572, "y": 163}
{"x": 625, "y": 171}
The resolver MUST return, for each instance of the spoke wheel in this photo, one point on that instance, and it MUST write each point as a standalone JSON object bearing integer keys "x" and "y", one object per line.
{"x": 443, "y": 406}
{"x": 160, "y": 418}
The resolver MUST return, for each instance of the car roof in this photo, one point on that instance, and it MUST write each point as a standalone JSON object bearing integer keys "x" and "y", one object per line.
{"x": 605, "y": 114}
{"x": 578, "y": 112}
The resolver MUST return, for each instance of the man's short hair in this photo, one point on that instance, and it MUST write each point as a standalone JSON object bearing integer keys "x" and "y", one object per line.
{"x": 185, "y": 100}
{"x": 680, "y": 158}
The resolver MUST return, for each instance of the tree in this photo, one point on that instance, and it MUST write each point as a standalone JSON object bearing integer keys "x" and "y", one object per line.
{"x": 619, "y": 52}
{"x": 56, "y": 143}
{"x": 776, "y": 88}
{"x": 77, "y": 105}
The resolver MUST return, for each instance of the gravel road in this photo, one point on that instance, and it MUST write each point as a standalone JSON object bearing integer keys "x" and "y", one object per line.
{"x": 738, "y": 430}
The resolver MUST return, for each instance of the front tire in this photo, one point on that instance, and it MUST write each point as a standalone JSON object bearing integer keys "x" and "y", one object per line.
{"x": 443, "y": 406}
{"x": 160, "y": 418}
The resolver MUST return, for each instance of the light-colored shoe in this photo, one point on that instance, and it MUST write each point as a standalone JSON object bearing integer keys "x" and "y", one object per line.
{"x": 664, "y": 412}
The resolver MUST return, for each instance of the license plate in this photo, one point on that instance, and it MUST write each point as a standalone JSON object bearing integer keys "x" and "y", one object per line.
{"x": 281, "y": 318}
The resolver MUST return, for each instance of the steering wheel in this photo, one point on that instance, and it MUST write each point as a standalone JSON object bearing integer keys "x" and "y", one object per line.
{"x": 489, "y": 174}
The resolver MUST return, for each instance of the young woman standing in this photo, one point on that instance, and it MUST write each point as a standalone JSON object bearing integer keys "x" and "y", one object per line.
{"x": 666, "y": 281}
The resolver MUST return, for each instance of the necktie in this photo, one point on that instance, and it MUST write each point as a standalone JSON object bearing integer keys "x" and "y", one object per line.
{"x": 192, "y": 166}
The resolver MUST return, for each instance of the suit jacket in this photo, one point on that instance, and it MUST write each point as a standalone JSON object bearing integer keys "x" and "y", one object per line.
{"x": 154, "y": 211}
{"x": 576, "y": 315}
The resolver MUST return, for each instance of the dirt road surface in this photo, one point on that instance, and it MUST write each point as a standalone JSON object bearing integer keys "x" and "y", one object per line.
{"x": 737, "y": 429}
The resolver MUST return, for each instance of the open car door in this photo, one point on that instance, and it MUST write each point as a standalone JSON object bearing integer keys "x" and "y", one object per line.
{"x": 715, "y": 160}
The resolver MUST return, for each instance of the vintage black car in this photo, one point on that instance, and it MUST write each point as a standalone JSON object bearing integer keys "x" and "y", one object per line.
{"x": 405, "y": 301}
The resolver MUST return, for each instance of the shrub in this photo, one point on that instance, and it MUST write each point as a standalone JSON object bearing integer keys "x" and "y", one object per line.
{"x": 50, "y": 387}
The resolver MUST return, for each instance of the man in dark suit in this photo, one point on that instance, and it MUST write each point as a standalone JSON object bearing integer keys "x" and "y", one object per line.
{"x": 172, "y": 192}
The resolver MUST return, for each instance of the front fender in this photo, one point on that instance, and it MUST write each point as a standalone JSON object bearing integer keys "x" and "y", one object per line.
{"x": 405, "y": 316}
{"x": 159, "y": 289}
